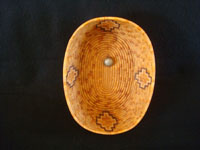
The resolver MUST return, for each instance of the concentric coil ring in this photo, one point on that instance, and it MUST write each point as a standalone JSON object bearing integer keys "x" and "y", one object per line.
{"x": 106, "y": 87}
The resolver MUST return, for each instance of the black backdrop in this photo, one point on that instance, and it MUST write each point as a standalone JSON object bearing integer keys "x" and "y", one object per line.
{"x": 33, "y": 38}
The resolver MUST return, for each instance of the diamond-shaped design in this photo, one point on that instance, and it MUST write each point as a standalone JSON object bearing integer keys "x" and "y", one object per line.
{"x": 71, "y": 76}
{"x": 106, "y": 121}
{"x": 143, "y": 78}
{"x": 108, "y": 25}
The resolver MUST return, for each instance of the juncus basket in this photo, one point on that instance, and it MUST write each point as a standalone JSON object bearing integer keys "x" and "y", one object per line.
{"x": 109, "y": 75}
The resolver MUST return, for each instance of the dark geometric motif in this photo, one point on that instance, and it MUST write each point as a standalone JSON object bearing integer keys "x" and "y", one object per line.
{"x": 106, "y": 121}
{"x": 143, "y": 78}
{"x": 72, "y": 74}
{"x": 108, "y": 25}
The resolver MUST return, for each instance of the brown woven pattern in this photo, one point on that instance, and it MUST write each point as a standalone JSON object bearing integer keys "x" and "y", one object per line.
{"x": 102, "y": 99}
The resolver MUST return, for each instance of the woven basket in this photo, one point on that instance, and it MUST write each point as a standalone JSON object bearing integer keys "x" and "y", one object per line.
{"x": 109, "y": 99}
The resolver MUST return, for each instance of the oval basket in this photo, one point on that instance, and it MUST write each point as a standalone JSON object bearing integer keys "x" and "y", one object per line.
{"x": 109, "y": 99}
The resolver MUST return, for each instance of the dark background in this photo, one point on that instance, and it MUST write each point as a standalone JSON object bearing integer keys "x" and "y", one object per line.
{"x": 33, "y": 110}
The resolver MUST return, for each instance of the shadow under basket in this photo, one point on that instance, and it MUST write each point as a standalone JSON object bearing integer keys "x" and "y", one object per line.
{"x": 109, "y": 75}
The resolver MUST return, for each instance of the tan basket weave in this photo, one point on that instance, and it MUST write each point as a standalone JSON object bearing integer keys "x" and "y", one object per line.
{"x": 102, "y": 99}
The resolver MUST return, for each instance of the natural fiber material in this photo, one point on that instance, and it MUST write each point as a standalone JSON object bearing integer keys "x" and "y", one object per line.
{"x": 109, "y": 99}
